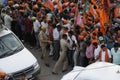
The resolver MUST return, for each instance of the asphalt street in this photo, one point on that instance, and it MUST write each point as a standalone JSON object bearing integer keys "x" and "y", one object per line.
{"x": 46, "y": 72}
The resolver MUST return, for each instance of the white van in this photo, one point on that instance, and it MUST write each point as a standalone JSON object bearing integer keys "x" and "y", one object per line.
{"x": 94, "y": 71}
{"x": 15, "y": 59}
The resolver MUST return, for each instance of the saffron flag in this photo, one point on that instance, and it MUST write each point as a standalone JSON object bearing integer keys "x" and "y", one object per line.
{"x": 49, "y": 4}
{"x": 60, "y": 6}
{"x": 93, "y": 12}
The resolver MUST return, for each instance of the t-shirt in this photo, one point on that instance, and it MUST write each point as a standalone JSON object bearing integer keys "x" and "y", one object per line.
{"x": 116, "y": 56}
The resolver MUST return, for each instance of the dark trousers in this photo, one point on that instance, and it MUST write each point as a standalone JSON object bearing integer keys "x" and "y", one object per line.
{"x": 82, "y": 61}
{"x": 37, "y": 40}
{"x": 70, "y": 54}
{"x": 30, "y": 38}
{"x": 56, "y": 50}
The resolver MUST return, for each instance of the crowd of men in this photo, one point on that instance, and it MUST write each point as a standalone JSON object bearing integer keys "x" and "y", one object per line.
{"x": 77, "y": 32}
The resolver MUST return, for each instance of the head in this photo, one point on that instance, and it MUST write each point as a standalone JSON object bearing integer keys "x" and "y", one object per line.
{"x": 116, "y": 46}
{"x": 103, "y": 47}
{"x": 64, "y": 36}
{"x": 23, "y": 76}
{"x": 70, "y": 33}
{"x": 95, "y": 44}
{"x": 43, "y": 28}
{"x": 33, "y": 18}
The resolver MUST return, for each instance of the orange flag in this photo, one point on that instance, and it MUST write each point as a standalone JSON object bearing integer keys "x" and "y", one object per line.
{"x": 60, "y": 6}
{"x": 93, "y": 12}
{"x": 49, "y": 4}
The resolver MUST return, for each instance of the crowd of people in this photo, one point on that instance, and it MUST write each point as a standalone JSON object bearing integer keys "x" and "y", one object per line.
{"x": 77, "y": 32}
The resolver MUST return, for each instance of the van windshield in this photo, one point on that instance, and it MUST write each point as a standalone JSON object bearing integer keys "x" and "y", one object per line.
{"x": 9, "y": 45}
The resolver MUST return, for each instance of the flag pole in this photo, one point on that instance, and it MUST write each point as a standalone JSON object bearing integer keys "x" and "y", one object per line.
{"x": 76, "y": 13}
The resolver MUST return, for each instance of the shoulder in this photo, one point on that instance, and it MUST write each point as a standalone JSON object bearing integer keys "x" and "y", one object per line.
{"x": 112, "y": 49}
{"x": 108, "y": 50}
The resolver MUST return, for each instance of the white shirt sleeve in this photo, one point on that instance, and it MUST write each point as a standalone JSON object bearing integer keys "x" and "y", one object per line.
{"x": 96, "y": 52}
{"x": 55, "y": 34}
{"x": 112, "y": 51}
{"x": 74, "y": 39}
{"x": 10, "y": 18}
{"x": 109, "y": 53}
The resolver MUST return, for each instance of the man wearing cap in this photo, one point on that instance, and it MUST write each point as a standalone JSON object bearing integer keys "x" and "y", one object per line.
{"x": 63, "y": 55}
{"x": 43, "y": 39}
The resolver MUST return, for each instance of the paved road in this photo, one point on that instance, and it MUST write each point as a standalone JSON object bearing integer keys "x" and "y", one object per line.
{"x": 45, "y": 71}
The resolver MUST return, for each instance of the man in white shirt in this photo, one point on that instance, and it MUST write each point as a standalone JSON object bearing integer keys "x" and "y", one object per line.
{"x": 72, "y": 57}
{"x": 7, "y": 21}
{"x": 36, "y": 28}
{"x": 56, "y": 42}
{"x": 96, "y": 52}
{"x": 115, "y": 51}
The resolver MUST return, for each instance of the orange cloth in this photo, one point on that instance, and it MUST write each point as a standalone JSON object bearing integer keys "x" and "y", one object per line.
{"x": 51, "y": 33}
{"x": 103, "y": 12}
{"x": 81, "y": 26}
{"x": 80, "y": 37}
{"x": 35, "y": 6}
{"x": 22, "y": 11}
{"x": 65, "y": 31}
{"x": 94, "y": 2}
{"x": 2, "y": 74}
{"x": 84, "y": 19}
{"x": 26, "y": 5}
{"x": 22, "y": 5}
{"x": 117, "y": 12}
{"x": 60, "y": 6}
{"x": 65, "y": 21}
{"x": 57, "y": 1}
{"x": 104, "y": 17}
{"x": 95, "y": 31}
{"x": 84, "y": 33}
{"x": 39, "y": 1}
{"x": 72, "y": 4}
{"x": 118, "y": 39}
{"x": 106, "y": 56}
{"x": 94, "y": 41}
{"x": 65, "y": 4}
{"x": 118, "y": 31}
{"x": 93, "y": 12}
{"x": 49, "y": 4}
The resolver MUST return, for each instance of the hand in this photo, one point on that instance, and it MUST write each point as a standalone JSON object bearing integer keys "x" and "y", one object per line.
{"x": 50, "y": 42}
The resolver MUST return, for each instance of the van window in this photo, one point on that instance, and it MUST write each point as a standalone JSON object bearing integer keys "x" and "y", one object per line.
{"x": 9, "y": 45}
